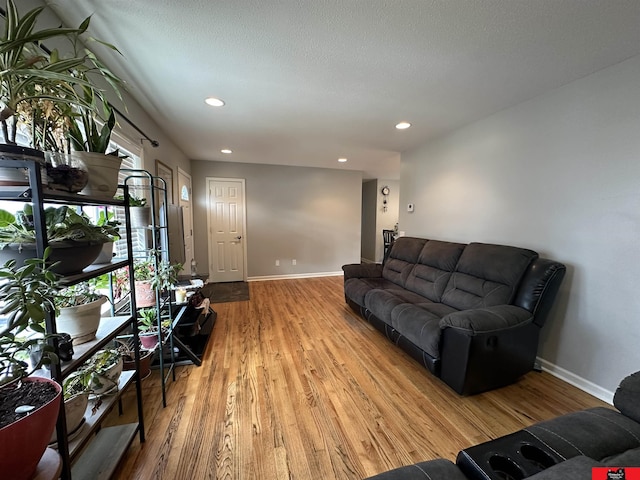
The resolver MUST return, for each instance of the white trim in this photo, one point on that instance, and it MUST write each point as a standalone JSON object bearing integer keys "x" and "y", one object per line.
{"x": 294, "y": 275}
{"x": 576, "y": 381}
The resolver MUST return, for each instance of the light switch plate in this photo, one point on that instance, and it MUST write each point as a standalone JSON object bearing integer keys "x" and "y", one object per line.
{"x": 409, "y": 207}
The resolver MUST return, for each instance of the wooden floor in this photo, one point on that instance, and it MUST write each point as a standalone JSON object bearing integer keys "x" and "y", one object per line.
{"x": 294, "y": 385}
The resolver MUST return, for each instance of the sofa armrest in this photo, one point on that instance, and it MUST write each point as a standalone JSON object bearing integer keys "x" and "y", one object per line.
{"x": 627, "y": 395}
{"x": 362, "y": 270}
{"x": 487, "y": 320}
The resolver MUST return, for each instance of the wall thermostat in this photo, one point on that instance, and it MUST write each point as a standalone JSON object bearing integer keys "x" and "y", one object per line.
{"x": 409, "y": 207}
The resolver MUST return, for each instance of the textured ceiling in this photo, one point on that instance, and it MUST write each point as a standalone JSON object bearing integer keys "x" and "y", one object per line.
{"x": 308, "y": 81}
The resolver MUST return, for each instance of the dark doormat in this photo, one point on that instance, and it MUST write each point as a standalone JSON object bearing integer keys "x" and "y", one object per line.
{"x": 226, "y": 292}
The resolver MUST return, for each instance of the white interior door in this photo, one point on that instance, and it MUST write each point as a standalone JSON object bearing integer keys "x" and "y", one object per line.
{"x": 184, "y": 195}
{"x": 225, "y": 215}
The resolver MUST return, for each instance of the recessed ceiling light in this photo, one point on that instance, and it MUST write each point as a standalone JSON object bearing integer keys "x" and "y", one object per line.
{"x": 342, "y": 160}
{"x": 403, "y": 125}
{"x": 226, "y": 150}
{"x": 214, "y": 102}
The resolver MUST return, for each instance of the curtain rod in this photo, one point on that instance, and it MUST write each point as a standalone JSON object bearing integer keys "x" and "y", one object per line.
{"x": 154, "y": 143}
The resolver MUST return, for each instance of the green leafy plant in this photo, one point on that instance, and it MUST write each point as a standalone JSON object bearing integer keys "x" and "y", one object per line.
{"x": 134, "y": 201}
{"x": 75, "y": 295}
{"x": 91, "y": 376}
{"x": 147, "y": 320}
{"x": 62, "y": 224}
{"x": 27, "y": 294}
{"x": 35, "y": 81}
{"x": 86, "y": 132}
{"x": 106, "y": 220}
{"x": 161, "y": 277}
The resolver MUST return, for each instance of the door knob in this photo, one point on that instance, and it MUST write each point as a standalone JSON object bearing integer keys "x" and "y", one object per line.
{"x": 239, "y": 237}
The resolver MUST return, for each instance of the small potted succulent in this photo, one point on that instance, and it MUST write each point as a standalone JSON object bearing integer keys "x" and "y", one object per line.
{"x": 148, "y": 325}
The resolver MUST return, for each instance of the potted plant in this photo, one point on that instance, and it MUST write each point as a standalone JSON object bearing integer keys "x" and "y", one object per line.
{"x": 148, "y": 328}
{"x": 98, "y": 375}
{"x": 29, "y": 72}
{"x": 106, "y": 220}
{"x": 78, "y": 311}
{"x": 90, "y": 144}
{"x": 150, "y": 276}
{"x": 76, "y": 399}
{"x": 75, "y": 241}
{"x": 47, "y": 92}
{"x": 126, "y": 349}
{"x": 25, "y": 425}
{"x": 140, "y": 212}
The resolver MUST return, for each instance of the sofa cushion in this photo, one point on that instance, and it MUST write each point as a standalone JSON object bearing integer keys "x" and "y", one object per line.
{"x": 402, "y": 258}
{"x": 597, "y": 433}
{"x": 420, "y": 324}
{"x": 381, "y": 302}
{"x": 486, "y": 275}
{"x": 356, "y": 288}
{"x": 431, "y": 273}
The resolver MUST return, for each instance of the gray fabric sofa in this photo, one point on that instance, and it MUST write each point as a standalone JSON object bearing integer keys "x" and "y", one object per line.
{"x": 469, "y": 313}
{"x": 567, "y": 447}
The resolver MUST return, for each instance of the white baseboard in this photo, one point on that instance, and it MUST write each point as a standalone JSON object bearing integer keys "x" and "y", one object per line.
{"x": 295, "y": 275}
{"x": 579, "y": 382}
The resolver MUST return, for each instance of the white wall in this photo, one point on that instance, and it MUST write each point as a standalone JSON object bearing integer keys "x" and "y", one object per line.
{"x": 308, "y": 214}
{"x": 559, "y": 174}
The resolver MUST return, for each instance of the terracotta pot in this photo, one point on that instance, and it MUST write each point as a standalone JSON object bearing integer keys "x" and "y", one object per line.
{"x": 145, "y": 295}
{"x": 23, "y": 443}
{"x": 103, "y": 173}
{"x": 82, "y": 321}
{"x": 146, "y": 356}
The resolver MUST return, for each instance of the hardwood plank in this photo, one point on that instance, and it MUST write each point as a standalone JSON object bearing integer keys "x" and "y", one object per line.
{"x": 295, "y": 385}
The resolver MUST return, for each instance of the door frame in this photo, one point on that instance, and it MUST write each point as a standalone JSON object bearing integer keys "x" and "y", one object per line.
{"x": 244, "y": 222}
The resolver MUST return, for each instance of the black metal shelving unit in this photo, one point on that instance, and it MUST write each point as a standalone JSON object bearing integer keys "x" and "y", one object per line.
{"x": 84, "y": 456}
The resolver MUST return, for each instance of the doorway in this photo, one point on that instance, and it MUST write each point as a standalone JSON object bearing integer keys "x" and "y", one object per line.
{"x": 226, "y": 227}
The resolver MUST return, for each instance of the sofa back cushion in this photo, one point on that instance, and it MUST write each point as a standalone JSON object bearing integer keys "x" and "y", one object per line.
{"x": 486, "y": 275}
{"x": 403, "y": 256}
{"x": 430, "y": 275}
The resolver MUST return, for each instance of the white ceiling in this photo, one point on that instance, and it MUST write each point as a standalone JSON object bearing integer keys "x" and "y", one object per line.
{"x": 308, "y": 81}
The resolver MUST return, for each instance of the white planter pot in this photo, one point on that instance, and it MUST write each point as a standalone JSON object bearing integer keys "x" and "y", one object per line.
{"x": 103, "y": 174}
{"x": 80, "y": 322}
{"x": 140, "y": 216}
{"x": 106, "y": 254}
{"x": 74, "y": 410}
